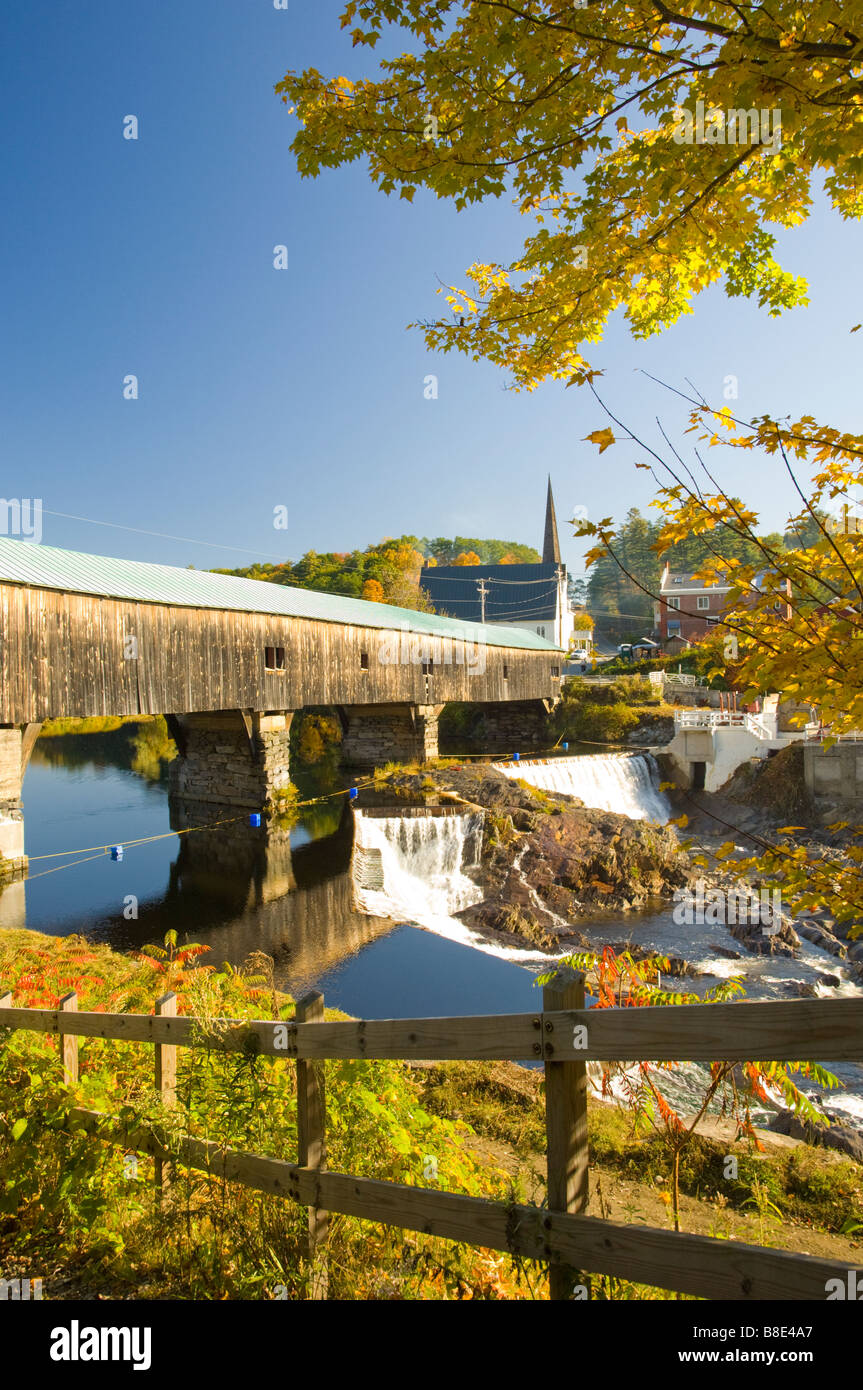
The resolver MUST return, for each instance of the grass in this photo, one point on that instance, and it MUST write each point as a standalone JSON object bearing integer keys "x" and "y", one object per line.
{"x": 814, "y": 1188}
{"x": 540, "y": 800}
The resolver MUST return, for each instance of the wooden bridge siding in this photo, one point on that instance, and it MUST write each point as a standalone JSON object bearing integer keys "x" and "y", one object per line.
{"x": 62, "y": 654}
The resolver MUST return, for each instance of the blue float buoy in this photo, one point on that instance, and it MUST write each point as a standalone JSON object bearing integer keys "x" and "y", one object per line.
{"x": 255, "y": 818}
{"x": 516, "y": 757}
{"x": 565, "y": 747}
{"x": 116, "y": 853}
{"x": 353, "y": 793}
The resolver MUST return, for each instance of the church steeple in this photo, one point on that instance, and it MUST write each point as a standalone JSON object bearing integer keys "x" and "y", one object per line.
{"x": 551, "y": 543}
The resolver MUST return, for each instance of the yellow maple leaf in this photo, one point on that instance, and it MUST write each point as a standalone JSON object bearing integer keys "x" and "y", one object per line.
{"x": 601, "y": 437}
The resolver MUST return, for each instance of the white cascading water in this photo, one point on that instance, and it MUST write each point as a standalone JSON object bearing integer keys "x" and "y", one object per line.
{"x": 411, "y": 868}
{"x": 419, "y": 865}
{"x": 627, "y": 783}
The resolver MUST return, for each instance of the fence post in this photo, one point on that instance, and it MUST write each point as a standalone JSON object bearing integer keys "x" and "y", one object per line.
{"x": 69, "y": 1041}
{"x": 566, "y": 1130}
{"x": 165, "y": 1070}
{"x": 311, "y": 1139}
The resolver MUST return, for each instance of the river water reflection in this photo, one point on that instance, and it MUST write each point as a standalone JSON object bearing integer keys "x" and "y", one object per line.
{"x": 291, "y": 894}
{"x": 233, "y": 888}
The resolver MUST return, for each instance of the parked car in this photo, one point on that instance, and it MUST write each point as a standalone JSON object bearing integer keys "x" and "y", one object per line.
{"x": 580, "y": 654}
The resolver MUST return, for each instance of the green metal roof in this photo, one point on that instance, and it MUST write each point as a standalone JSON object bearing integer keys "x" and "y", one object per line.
{"x": 47, "y": 567}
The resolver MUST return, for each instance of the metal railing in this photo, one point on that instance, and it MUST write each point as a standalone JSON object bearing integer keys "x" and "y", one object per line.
{"x": 718, "y": 719}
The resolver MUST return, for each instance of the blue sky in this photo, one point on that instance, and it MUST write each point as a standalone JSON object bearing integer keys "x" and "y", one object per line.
{"x": 302, "y": 388}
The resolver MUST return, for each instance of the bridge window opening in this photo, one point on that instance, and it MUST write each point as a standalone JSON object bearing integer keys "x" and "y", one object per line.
{"x": 274, "y": 658}
{"x": 555, "y": 671}
{"x": 428, "y": 667}
{"x": 698, "y": 771}
{"x": 364, "y": 661}
{"x": 506, "y": 673}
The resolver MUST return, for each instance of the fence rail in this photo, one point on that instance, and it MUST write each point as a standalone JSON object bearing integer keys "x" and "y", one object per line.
{"x": 565, "y": 1036}
{"x": 798, "y": 1030}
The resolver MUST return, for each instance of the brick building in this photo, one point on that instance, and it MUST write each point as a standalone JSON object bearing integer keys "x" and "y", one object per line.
{"x": 688, "y": 608}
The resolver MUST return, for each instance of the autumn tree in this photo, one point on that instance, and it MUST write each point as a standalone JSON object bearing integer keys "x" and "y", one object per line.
{"x": 373, "y": 591}
{"x": 793, "y": 620}
{"x": 386, "y": 572}
{"x": 583, "y": 115}
{"x": 467, "y": 557}
{"x": 491, "y": 552}
{"x": 578, "y": 113}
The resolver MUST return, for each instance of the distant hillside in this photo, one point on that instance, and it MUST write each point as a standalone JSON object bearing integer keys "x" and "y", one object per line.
{"x": 388, "y": 572}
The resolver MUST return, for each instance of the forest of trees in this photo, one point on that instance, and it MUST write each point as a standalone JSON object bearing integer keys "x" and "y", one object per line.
{"x": 388, "y": 572}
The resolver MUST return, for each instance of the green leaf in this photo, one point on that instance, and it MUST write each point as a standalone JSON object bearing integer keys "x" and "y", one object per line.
{"x": 18, "y": 1128}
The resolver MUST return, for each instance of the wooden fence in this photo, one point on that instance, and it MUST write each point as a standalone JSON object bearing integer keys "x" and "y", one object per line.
{"x": 565, "y": 1036}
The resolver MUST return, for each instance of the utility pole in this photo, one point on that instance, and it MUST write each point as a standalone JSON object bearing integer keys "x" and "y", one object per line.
{"x": 481, "y": 586}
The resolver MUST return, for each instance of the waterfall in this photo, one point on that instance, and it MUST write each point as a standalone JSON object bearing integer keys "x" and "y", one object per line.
{"x": 412, "y": 866}
{"x": 409, "y": 866}
{"x": 627, "y": 783}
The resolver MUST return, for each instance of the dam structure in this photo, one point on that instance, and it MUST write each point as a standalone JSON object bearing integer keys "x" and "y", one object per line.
{"x": 625, "y": 783}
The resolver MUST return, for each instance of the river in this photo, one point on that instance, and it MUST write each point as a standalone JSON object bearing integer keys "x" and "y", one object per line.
{"x": 376, "y": 937}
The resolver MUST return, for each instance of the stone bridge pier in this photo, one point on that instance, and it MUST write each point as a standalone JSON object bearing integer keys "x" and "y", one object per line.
{"x": 514, "y": 725}
{"x": 376, "y": 734}
{"x": 240, "y": 865}
{"x": 16, "y": 745}
{"x": 231, "y": 757}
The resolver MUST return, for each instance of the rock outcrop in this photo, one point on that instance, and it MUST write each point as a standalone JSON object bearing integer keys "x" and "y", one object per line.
{"x": 841, "y": 1137}
{"x": 548, "y": 860}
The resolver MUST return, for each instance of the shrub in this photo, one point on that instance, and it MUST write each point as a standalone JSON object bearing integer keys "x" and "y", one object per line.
{"x": 72, "y": 1200}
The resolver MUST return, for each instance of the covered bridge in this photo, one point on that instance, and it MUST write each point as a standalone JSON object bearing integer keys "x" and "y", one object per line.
{"x": 228, "y": 661}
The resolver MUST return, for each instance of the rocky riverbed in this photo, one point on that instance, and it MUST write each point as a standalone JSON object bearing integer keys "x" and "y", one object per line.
{"x": 547, "y": 860}
{"x": 552, "y": 870}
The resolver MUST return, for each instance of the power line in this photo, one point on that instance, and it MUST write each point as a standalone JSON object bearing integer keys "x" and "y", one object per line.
{"x": 187, "y": 540}
{"x": 504, "y": 603}
{"x": 429, "y": 572}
